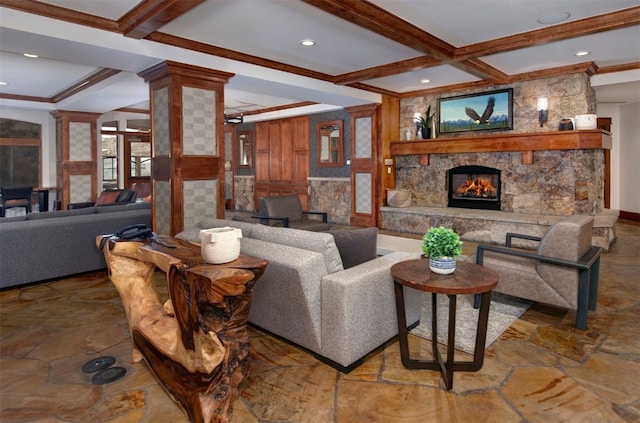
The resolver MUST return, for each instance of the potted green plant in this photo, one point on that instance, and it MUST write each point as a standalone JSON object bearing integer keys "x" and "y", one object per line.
{"x": 441, "y": 245}
{"x": 426, "y": 122}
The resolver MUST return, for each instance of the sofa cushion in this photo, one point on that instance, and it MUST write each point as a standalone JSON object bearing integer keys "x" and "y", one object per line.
{"x": 123, "y": 207}
{"x": 107, "y": 197}
{"x": 356, "y": 246}
{"x": 320, "y": 242}
{"x": 211, "y": 222}
{"x": 61, "y": 213}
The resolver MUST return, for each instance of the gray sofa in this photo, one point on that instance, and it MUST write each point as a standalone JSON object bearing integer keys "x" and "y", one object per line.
{"x": 307, "y": 296}
{"x": 41, "y": 246}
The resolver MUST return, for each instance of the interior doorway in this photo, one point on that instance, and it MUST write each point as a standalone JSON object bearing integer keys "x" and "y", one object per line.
{"x": 137, "y": 162}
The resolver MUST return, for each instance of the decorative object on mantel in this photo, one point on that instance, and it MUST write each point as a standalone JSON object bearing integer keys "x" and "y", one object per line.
{"x": 220, "y": 245}
{"x": 565, "y": 125}
{"x": 491, "y": 111}
{"x": 426, "y": 123}
{"x": 441, "y": 245}
{"x": 543, "y": 110}
{"x": 398, "y": 197}
{"x": 586, "y": 121}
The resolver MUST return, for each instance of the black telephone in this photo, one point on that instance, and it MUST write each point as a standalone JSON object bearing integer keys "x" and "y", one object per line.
{"x": 137, "y": 231}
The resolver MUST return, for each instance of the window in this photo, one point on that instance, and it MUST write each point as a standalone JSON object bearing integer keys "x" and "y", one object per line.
{"x": 20, "y": 149}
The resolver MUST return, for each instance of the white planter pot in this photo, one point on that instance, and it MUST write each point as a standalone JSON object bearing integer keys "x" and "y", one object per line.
{"x": 442, "y": 265}
{"x": 220, "y": 245}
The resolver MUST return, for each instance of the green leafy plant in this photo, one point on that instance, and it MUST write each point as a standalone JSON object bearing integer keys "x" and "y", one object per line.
{"x": 441, "y": 242}
{"x": 427, "y": 119}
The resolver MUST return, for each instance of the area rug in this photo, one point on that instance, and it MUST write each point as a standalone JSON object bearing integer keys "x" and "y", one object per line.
{"x": 503, "y": 312}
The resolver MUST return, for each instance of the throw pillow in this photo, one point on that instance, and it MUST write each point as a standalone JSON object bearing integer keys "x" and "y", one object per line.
{"x": 107, "y": 197}
{"x": 356, "y": 246}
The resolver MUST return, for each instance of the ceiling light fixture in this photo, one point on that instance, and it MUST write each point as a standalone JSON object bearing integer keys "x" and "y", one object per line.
{"x": 3, "y": 83}
{"x": 553, "y": 18}
{"x": 425, "y": 81}
{"x": 30, "y": 55}
{"x": 308, "y": 43}
{"x": 233, "y": 120}
{"x": 582, "y": 53}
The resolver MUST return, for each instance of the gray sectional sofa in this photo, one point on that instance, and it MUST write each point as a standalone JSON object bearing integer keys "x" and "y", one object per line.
{"x": 307, "y": 296}
{"x": 41, "y": 246}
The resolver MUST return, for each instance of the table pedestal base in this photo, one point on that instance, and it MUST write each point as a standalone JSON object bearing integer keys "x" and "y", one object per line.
{"x": 448, "y": 366}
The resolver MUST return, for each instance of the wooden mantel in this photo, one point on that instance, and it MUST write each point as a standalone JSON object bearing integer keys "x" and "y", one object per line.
{"x": 526, "y": 143}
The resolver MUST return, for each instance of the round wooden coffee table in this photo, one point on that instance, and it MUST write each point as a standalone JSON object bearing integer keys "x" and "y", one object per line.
{"x": 468, "y": 278}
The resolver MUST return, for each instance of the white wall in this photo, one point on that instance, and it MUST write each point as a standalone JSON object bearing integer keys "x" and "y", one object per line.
{"x": 625, "y": 155}
{"x": 630, "y": 158}
{"x": 613, "y": 111}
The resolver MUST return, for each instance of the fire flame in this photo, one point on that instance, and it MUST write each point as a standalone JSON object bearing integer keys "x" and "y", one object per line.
{"x": 477, "y": 188}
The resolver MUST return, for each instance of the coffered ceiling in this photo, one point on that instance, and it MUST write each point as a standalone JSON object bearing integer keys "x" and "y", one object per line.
{"x": 90, "y": 51}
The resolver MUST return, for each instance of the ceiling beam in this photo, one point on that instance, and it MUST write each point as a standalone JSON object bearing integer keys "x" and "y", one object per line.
{"x": 150, "y": 15}
{"x": 98, "y": 76}
{"x": 371, "y": 17}
{"x": 61, "y": 13}
{"x": 172, "y": 40}
{"x": 409, "y": 65}
{"x": 388, "y": 25}
{"x": 606, "y": 22}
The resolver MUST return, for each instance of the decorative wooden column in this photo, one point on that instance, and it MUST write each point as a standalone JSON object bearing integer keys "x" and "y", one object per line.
{"x": 187, "y": 147}
{"x": 76, "y": 156}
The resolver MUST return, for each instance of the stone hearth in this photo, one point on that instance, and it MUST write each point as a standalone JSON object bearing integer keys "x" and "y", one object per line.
{"x": 487, "y": 226}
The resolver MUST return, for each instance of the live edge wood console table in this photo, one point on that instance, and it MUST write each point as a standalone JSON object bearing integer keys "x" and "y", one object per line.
{"x": 196, "y": 344}
{"x": 468, "y": 278}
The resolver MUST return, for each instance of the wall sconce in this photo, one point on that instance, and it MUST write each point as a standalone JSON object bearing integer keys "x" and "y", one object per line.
{"x": 543, "y": 110}
{"x": 389, "y": 164}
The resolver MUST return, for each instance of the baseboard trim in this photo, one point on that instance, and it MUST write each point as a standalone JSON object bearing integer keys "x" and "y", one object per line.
{"x": 629, "y": 216}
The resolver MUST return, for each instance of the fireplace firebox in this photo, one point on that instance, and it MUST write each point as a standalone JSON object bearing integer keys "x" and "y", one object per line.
{"x": 474, "y": 187}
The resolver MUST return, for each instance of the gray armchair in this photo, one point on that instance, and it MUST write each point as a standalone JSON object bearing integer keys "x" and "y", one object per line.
{"x": 286, "y": 211}
{"x": 562, "y": 272}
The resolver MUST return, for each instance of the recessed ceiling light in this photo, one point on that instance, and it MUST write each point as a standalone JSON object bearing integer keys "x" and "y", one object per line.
{"x": 3, "y": 83}
{"x": 32, "y": 56}
{"x": 553, "y": 18}
{"x": 582, "y": 53}
{"x": 308, "y": 43}
{"x": 425, "y": 81}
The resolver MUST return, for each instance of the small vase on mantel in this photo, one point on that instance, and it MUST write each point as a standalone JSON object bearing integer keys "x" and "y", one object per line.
{"x": 442, "y": 265}
{"x": 426, "y": 133}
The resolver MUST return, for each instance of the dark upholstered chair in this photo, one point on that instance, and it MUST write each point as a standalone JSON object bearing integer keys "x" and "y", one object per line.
{"x": 110, "y": 197}
{"x": 563, "y": 271}
{"x": 286, "y": 210}
{"x": 15, "y": 197}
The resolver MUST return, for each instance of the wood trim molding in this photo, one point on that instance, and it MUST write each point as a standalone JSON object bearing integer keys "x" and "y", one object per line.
{"x": 526, "y": 143}
{"x": 61, "y": 13}
{"x": 607, "y": 22}
{"x": 149, "y": 15}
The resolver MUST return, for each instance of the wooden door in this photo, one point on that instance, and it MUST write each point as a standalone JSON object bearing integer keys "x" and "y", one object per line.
{"x": 282, "y": 158}
{"x": 137, "y": 159}
{"x": 605, "y": 123}
{"x": 364, "y": 165}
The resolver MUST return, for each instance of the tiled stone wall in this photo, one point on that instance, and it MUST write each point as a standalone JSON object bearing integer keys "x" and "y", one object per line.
{"x": 568, "y": 95}
{"x": 331, "y": 195}
{"x": 559, "y": 183}
{"x": 244, "y": 190}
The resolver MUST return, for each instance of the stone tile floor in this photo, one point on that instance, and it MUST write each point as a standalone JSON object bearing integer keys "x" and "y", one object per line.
{"x": 541, "y": 369}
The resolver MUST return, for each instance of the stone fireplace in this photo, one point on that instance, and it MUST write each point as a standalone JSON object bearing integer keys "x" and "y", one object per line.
{"x": 474, "y": 187}
{"x": 541, "y": 178}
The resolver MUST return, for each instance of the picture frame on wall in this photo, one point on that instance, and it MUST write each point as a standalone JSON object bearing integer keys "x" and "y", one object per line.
{"x": 487, "y": 111}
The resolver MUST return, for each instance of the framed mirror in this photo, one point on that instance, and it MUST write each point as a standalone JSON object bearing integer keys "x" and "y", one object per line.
{"x": 330, "y": 144}
{"x": 244, "y": 149}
